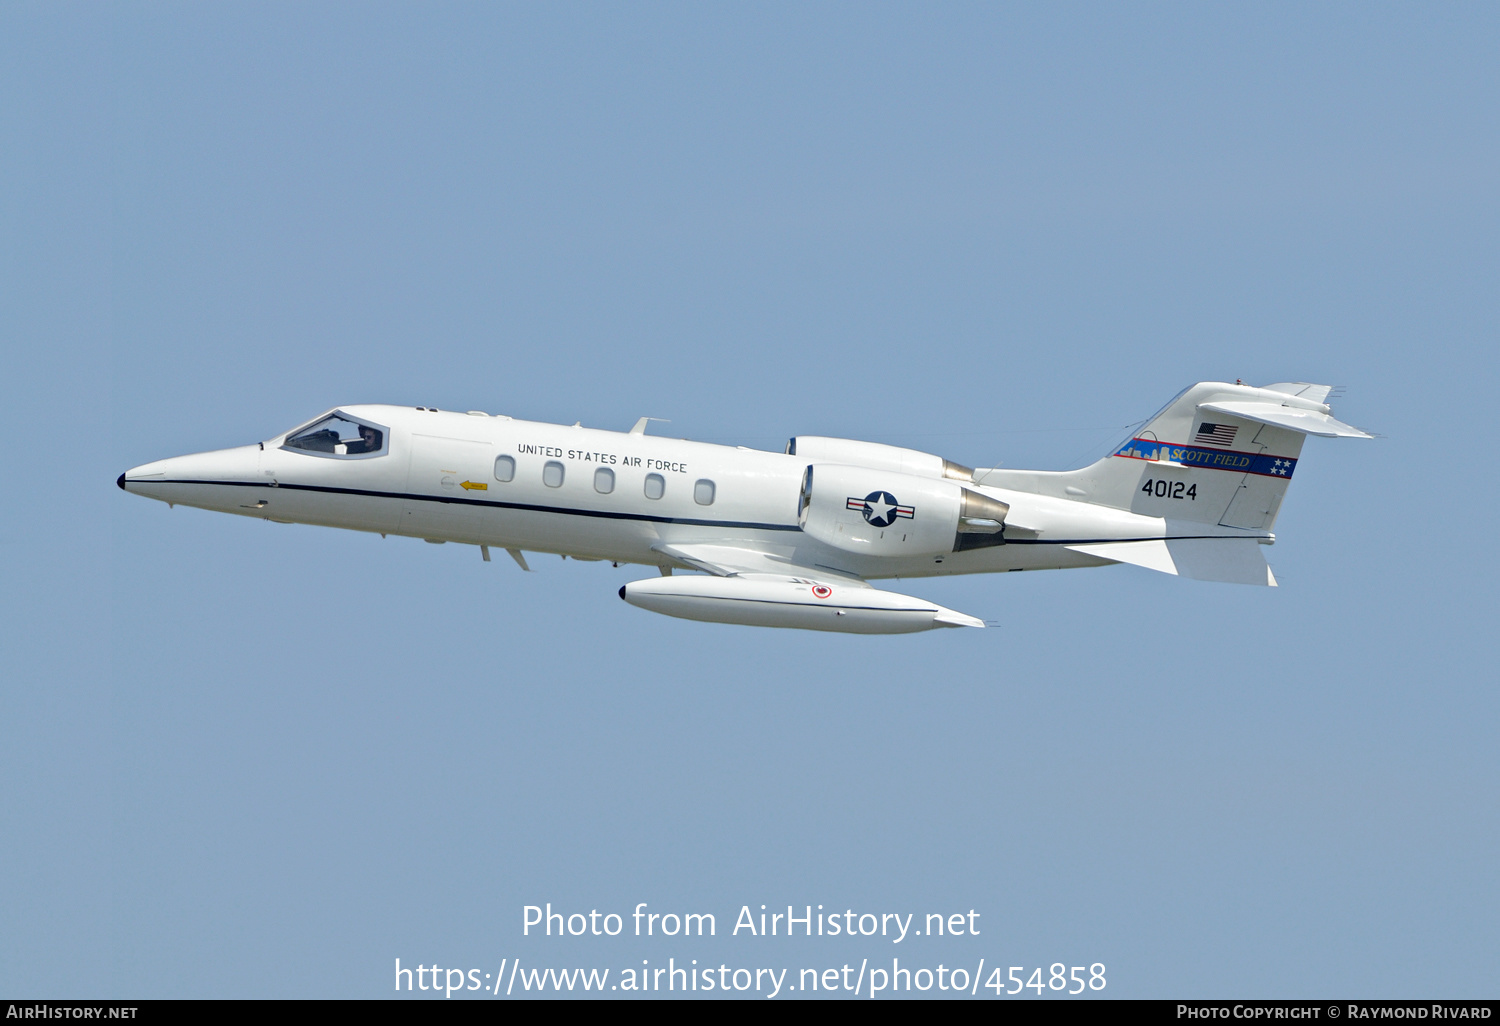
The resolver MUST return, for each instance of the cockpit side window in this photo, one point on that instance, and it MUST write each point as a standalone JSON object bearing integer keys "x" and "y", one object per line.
{"x": 339, "y": 435}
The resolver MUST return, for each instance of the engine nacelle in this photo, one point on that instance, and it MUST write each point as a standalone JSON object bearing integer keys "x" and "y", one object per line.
{"x": 882, "y": 513}
{"x": 877, "y": 457}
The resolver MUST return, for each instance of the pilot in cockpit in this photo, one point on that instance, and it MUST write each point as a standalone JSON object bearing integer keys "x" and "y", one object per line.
{"x": 332, "y": 435}
{"x": 368, "y": 441}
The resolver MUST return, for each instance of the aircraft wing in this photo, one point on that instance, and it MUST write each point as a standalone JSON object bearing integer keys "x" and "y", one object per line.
{"x": 729, "y": 561}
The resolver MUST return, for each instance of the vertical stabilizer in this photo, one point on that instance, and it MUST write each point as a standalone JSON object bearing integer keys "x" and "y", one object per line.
{"x": 1218, "y": 453}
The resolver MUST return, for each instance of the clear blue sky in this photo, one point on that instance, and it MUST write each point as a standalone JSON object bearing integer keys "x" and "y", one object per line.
{"x": 998, "y": 233}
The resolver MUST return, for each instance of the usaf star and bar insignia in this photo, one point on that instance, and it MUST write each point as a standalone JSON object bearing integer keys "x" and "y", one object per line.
{"x": 881, "y": 509}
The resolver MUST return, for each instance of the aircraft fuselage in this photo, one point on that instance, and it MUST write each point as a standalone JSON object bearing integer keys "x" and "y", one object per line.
{"x": 587, "y": 493}
{"x": 784, "y": 539}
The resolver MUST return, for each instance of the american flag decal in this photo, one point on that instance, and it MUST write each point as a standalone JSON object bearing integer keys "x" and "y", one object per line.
{"x": 1215, "y": 434}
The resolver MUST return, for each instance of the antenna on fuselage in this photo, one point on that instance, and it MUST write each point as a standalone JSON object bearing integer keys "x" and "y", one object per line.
{"x": 640, "y": 425}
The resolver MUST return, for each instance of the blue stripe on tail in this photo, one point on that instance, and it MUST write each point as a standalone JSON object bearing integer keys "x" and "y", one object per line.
{"x": 1209, "y": 459}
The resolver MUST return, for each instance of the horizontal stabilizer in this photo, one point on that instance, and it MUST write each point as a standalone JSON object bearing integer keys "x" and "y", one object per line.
{"x": 1309, "y": 422}
{"x": 1231, "y": 560}
{"x": 731, "y": 561}
{"x": 1302, "y": 390}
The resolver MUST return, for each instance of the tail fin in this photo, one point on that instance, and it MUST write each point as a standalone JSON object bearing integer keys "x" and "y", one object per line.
{"x": 1216, "y": 454}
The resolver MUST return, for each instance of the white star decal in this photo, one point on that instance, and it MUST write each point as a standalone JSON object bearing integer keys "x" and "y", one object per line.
{"x": 878, "y": 507}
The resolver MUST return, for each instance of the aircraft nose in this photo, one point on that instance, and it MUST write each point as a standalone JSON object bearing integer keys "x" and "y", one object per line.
{"x": 195, "y": 479}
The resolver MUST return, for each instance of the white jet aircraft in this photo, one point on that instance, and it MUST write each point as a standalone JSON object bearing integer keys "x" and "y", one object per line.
{"x": 784, "y": 539}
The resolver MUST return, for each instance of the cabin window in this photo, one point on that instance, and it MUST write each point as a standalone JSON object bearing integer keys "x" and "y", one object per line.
{"x": 655, "y": 486}
{"x": 604, "y": 480}
{"x": 552, "y": 474}
{"x": 703, "y": 492}
{"x": 339, "y": 434}
{"x": 505, "y": 468}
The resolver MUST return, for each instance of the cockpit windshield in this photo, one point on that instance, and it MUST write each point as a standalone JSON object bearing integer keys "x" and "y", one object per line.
{"x": 338, "y": 434}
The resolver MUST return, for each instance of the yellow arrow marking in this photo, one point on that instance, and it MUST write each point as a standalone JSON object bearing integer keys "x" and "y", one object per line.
{"x": 474, "y": 486}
